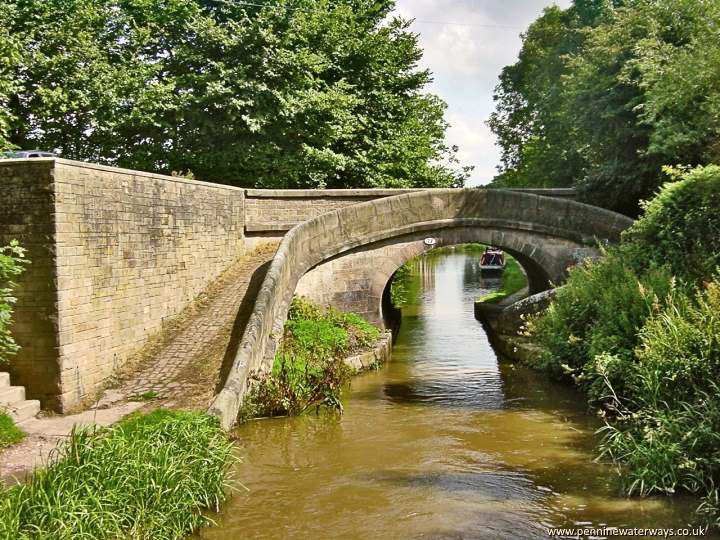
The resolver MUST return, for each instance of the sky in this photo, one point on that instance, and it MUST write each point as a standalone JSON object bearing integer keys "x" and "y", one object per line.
{"x": 466, "y": 58}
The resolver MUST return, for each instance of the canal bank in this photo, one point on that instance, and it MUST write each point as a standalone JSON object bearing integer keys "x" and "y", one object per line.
{"x": 445, "y": 441}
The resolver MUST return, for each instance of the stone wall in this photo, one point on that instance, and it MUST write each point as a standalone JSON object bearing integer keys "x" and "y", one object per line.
{"x": 115, "y": 253}
{"x": 332, "y": 234}
{"x": 271, "y": 213}
{"x": 27, "y": 215}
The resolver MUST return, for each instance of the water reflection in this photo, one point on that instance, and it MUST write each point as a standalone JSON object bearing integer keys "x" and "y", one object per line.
{"x": 444, "y": 442}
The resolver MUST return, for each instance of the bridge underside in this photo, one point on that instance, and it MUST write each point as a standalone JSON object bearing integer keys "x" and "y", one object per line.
{"x": 355, "y": 280}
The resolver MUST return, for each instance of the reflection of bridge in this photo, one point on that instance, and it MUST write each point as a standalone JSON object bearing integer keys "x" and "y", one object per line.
{"x": 346, "y": 257}
{"x": 115, "y": 253}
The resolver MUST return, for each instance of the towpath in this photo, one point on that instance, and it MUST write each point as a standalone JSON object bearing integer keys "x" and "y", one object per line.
{"x": 181, "y": 367}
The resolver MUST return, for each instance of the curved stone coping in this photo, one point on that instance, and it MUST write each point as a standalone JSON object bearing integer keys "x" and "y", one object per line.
{"x": 330, "y": 234}
{"x": 326, "y": 193}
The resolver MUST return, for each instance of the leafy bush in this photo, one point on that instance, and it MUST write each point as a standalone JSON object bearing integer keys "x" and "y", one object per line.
{"x": 147, "y": 477}
{"x": 399, "y": 287}
{"x": 12, "y": 263}
{"x": 681, "y": 225}
{"x": 309, "y": 368}
{"x": 640, "y": 332}
{"x": 598, "y": 312}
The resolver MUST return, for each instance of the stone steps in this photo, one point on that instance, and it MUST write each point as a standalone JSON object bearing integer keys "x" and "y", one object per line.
{"x": 13, "y": 402}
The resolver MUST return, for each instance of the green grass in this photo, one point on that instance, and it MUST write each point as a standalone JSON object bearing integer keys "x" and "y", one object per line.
{"x": 513, "y": 279}
{"x": 639, "y": 331}
{"x": 148, "y": 477}
{"x": 9, "y": 432}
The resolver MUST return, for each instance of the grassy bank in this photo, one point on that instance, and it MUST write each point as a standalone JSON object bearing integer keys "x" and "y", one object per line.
{"x": 147, "y": 477}
{"x": 309, "y": 370}
{"x": 9, "y": 432}
{"x": 513, "y": 280}
{"x": 639, "y": 331}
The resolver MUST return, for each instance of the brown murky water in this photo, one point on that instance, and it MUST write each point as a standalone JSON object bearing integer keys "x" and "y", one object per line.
{"x": 446, "y": 442}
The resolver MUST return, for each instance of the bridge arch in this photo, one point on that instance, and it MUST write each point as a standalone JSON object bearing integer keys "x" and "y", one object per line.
{"x": 548, "y": 232}
{"x": 357, "y": 280}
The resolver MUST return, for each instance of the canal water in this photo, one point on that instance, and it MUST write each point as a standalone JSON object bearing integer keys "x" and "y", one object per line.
{"x": 445, "y": 442}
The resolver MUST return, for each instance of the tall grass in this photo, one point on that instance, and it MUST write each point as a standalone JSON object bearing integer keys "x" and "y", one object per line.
{"x": 146, "y": 478}
{"x": 9, "y": 432}
{"x": 668, "y": 431}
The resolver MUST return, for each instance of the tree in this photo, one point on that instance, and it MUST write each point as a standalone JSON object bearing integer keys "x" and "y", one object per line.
{"x": 638, "y": 89}
{"x": 307, "y": 94}
{"x": 529, "y": 119}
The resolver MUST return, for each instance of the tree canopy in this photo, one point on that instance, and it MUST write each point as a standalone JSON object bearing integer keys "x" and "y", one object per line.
{"x": 310, "y": 93}
{"x": 604, "y": 94}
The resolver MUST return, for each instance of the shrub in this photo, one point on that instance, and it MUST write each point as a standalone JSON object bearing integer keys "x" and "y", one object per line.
{"x": 309, "y": 368}
{"x": 669, "y": 430}
{"x": 591, "y": 329}
{"x": 681, "y": 225}
{"x": 400, "y": 287}
{"x": 147, "y": 477}
{"x": 12, "y": 263}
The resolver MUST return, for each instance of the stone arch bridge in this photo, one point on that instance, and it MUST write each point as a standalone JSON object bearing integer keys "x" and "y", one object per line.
{"x": 346, "y": 257}
{"x": 117, "y": 253}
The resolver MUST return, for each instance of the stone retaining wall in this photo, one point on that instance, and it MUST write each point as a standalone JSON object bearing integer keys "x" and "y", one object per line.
{"x": 380, "y": 354}
{"x": 114, "y": 253}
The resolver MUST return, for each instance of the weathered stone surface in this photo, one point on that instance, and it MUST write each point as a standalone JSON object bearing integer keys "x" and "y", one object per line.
{"x": 380, "y": 354}
{"x": 271, "y": 211}
{"x": 114, "y": 252}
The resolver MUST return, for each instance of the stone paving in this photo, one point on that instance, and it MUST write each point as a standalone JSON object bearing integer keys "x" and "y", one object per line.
{"x": 185, "y": 370}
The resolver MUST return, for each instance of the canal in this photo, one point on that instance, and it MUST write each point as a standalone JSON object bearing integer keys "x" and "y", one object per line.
{"x": 445, "y": 442}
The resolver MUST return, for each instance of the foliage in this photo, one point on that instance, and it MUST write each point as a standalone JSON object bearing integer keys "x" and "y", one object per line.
{"x": 12, "y": 263}
{"x": 307, "y": 94}
{"x": 147, "y": 477}
{"x": 593, "y": 100}
{"x": 599, "y": 310}
{"x": 400, "y": 286}
{"x": 668, "y": 431}
{"x": 528, "y": 119}
{"x": 639, "y": 330}
{"x": 309, "y": 369}
{"x": 513, "y": 279}
{"x": 10, "y": 54}
{"x": 681, "y": 225}
{"x": 9, "y": 432}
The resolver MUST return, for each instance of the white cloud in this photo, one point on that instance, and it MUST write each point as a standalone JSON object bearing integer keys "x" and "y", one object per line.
{"x": 466, "y": 44}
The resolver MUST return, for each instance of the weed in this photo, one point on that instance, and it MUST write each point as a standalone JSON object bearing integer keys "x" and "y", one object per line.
{"x": 9, "y": 432}
{"x": 309, "y": 370}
